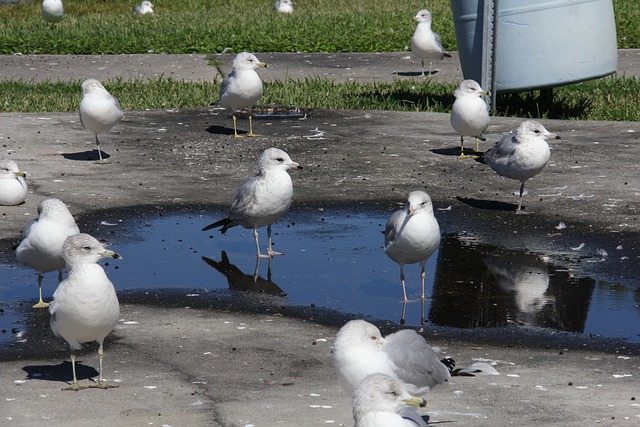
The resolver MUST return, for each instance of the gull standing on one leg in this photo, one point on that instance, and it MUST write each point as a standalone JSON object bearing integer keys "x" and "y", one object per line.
{"x": 99, "y": 110}
{"x": 521, "y": 155}
{"x": 52, "y": 11}
{"x": 85, "y": 306}
{"x": 262, "y": 199}
{"x": 412, "y": 235}
{"x": 469, "y": 113}
{"x": 43, "y": 238}
{"x": 426, "y": 44}
{"x": 13, "y": 187}
{"x": 242, "y": 88}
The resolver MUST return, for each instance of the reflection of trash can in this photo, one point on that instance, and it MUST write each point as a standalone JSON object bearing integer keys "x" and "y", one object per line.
{"x": 537, "y": 44}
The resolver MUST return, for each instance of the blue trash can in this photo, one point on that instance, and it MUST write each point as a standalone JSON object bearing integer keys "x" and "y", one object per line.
{"x": 539, "y": 44}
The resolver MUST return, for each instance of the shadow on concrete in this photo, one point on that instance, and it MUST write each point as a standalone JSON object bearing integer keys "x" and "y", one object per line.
{"x": 491, "y": 205}
{"x": 90, "y": 155}
{"x": 61, "y": 373}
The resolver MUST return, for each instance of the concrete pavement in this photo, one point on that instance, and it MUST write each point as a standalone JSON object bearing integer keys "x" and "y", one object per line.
{"x": 181, "y": 363}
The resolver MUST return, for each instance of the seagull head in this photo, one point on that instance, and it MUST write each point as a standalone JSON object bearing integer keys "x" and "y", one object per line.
{"x": 423, "y": 16}
{"x": 532, "y": 128}
{"x": 417, "y": 202}
{"x": 247, "y": 61}
{"x": 9, "y": 169}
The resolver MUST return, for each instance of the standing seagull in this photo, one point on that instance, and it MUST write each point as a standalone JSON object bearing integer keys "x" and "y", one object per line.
{"x": 42, "y": 240}
{"x": 521, "y": 155}
{"x": 85, "y": 306}
{"x": 143, "y": 8}
{"x": 99, "y": 110}
{"x": 412, "y": 235}
{"x": 13, "y": 187}
{"x": 360, "y": 350}
{"x": 242, "y": 88}
{"x": 469, "y": 113}
{"x": 382, "y": 401}
{"x": 262, "y": 199}
{"x": 52, "y": 11}
{"x": 425, "y": 44}
{"x": 283, "y": 6}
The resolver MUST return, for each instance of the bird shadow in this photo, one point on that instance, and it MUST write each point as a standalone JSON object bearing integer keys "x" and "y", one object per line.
{"x": 222, "y": 130}
{"x": 239, "y": 281}
{"x": 60, "y": 373}
{"x": 455, "y": 151}
{"x": 491, "y": 205}
{"x": 415, "y": 73}
{"x": 90, "y": 155}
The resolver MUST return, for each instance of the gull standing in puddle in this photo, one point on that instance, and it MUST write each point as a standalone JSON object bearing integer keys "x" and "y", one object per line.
{"x": 99, "y": 110}
{"x": 85, "y": 306}
{"x": 412, "y": 235}
{"x": 262, "y": 199}
{"x": 242, "y": 88}
{"x": 43, "y": 238}
{"x": 521, "y": 154}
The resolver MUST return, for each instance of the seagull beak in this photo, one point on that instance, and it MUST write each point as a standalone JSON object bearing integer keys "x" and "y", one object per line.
{"x": 411, "y": 210}
{"x": 484, "y": 92}
{"x": 262, "y": 64}
{"x": 415, "y": 18}
{"x": 110, "y": 254}
{"x": 416, "y": 401}
{"x": 552, "y": 136}
{"x": 20, "y": 173}
{"x": 295, "y": 165}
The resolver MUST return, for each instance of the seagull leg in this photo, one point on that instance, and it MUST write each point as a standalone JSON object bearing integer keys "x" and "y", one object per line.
{"x": 422, "y": 318}
{"x": 75, "y": 385}
{"x": 40, "y": 303}
{"x": 422, "y": 69}
{"x": 422, "y": 297}
{"x": 430, "y": 74}
{"x": 251, "y": 127}
{"x": 519, "y": 210}
{"x": 102, "y": 383}
{"x": 235, "y": 128}
{"x": 404, "y": 290}
{"x": 99, "y": 152}
{"x": 270, "y": 251}
{"x": 462, "y": 155}
{"x": 404, "y": 311}
{"x": 477, "y": 145}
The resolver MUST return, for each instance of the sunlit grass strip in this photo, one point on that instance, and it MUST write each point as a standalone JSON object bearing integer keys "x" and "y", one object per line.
{"x": 604, "y": 99}
{"x": 196, "y": 26}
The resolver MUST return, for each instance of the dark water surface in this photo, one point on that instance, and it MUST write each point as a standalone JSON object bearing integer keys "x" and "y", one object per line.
{"x": 335, "y": 259}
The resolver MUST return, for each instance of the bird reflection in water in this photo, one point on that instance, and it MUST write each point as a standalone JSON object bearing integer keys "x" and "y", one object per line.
{"x": 423, "y": 319}
{"x": 239, "y": 281}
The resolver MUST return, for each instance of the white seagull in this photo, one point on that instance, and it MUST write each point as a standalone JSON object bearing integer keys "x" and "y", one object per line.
{"x": 13, "y": 187}
{"x": 469, "y": 113}
{"x": 143, "y": 8}
{"x": 52, "y": 10}
{"x": 283, "y": 6}
{"x": 425, "y": 44}
{"x": 382, "y": 401}
{"x": 42, "y": 240}
{"x": 85, "y": 306}
{"x": 360, "y": 350}
{"x": 99, "y": 110}
{"x": 521, "y": 155}
{"x": 412, "y": 235}
{"x": 242, "y": 88}
{"x": 262, "y": 199}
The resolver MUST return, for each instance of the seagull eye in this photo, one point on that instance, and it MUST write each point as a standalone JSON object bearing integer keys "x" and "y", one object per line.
{"x": 86, "y": 248}
{"x": 393, "y": 393}
{"x": 280, "y": 159}
{"x": 373, "y": 338}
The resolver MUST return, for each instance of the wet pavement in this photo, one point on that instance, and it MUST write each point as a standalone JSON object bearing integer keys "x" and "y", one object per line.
{"x": 226, "y": 363}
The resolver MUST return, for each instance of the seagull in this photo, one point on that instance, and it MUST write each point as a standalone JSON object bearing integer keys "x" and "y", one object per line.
{"x": 85, "y": 306}
{"x": 262, "y": 199}
{"x": 143, "y": 8}
{"x": 425, "y": 44}
{"x": 469, "y": 113}
{"x": 52, "y": 11}
{"x": 412, "y": 235}
{"x": 42, "y": 240}
{"x": 99, "y": 110}
{"x": 283, "y": 6}
{"x": 13, "y": 187}
{"x": 382, "y": 401}
{"x": 242, "y": 88}
{"x": 521, "y": 155}
{"x": 360, "y": 350}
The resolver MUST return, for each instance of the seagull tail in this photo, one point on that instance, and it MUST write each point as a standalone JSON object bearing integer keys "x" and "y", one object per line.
{"x": 225, "y": 223}
{"x": 449, "y": 363}
{"x": 446, "y": 55}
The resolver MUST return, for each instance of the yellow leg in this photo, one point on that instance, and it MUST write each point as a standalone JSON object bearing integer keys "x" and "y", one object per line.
{"x": 235, "y": 128}
{"x": 251, "y": 127}
{"x": 40, "y": 303}
{"x": 462, "y": 155}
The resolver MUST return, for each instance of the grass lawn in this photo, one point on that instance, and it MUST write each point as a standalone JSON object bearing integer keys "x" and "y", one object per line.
{"x": 208, "y": 26}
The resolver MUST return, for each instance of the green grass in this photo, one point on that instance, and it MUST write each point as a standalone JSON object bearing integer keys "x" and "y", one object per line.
{"x": 604, "y": 99}
{"x": 209, "y": 26}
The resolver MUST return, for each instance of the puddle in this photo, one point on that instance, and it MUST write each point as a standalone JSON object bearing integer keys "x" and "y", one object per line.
{"x": 335, "y": 260}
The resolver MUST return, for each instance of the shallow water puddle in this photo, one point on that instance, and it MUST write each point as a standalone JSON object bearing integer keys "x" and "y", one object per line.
{"x": 335, "y": 259}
